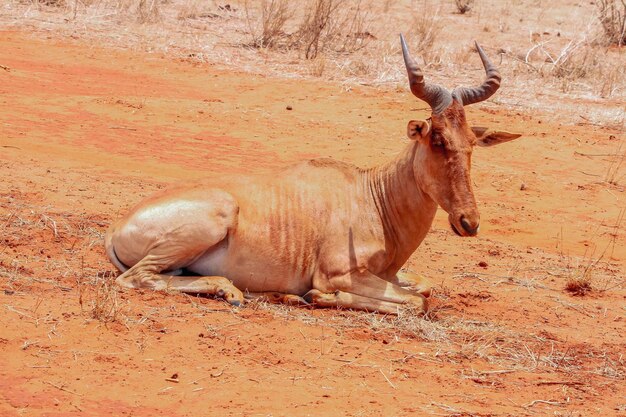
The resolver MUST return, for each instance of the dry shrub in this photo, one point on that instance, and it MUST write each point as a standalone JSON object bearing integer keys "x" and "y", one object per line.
{"x": 323, "y": 26}
{"x": 463, "y": 6}
{"x": 270, "y": 31}
{"x": 578, "y": 285}
{"x": 576, "y": 61}
{"x": 353, "y": 27}
{"x": 193, "y": 10}
{"x": 317, "y": 26}
{"x": 581, "y": 59}
{"x": 587, "y": 62}
{"x": 50, "y": 3}
{"x": 612, "y": 16}
{"x": 425, "y": 30}
{"x": 317, "y": 66}
{"x": 332, "y": 25}
{"x": 612, "y": 80}
{"x": 146, "y": 11}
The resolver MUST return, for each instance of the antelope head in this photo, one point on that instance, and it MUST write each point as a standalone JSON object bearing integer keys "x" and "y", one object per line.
{"x": 445, "y": 141}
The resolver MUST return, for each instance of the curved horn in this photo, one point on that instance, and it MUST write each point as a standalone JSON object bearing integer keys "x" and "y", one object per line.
{"x": 487, "y": 89}
{"x": 438, "y": 98}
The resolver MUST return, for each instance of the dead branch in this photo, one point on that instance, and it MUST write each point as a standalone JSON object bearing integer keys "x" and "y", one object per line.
{"x": 592, "y": 154}
{"x": 390, "y": 383}
{"x": 122, "y": 127}
{"x": 571, "y": 383}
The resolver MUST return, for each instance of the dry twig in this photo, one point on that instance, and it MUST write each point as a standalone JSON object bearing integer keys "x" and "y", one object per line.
{"x": 532, "y": 403}
{"x": 60, "y": 387}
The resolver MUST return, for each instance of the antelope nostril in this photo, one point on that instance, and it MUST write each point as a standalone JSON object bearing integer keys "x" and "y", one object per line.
{"x": 469, "y": 228}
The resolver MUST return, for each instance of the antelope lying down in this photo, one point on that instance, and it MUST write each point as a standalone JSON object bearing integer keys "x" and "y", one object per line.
{"x": 323, "y": 232}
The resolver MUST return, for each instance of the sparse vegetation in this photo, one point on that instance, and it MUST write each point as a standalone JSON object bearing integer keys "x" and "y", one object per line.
{"x": 356, "y": 40}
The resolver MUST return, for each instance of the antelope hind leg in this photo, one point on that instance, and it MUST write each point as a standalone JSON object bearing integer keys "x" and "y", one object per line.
{"x": 145, "y": 274}
{"x": 415, "y": 282}
{"x": 277, "y": 298}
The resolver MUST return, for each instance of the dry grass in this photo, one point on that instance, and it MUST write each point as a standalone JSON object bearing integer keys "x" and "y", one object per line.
{"x": 579, "y": 285}
{"x": 57, "y": 244}
{"x": 99, "y": 298}
{"x": 579, "y": 275}
{"x": 614, "y": 170}
{"x": 583, "y": 275}
{"x": 451, "y": 339}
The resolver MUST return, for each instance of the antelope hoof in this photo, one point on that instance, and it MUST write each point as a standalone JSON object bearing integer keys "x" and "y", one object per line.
{"x": 233, "y": 297}
{"x": 417, "y": 305}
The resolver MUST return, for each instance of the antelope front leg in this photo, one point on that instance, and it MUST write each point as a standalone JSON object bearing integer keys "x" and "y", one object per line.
{"x": 340, "y": 299}
{"x": 368, "y": 291}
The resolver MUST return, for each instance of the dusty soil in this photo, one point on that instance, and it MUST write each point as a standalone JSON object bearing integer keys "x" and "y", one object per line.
{"x": 85, "y": 132}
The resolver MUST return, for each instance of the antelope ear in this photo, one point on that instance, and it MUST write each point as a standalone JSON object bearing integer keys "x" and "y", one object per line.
{"x": 417, "y": 129}
{"x": 488, "y": 137}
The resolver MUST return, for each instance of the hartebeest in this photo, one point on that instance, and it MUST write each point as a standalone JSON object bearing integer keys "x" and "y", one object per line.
{"x": 322, "y": 232}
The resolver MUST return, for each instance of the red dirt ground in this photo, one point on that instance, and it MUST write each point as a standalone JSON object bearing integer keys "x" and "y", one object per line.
{"x": 86, "y": 132}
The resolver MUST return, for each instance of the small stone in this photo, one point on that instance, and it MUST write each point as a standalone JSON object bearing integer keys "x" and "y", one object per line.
{"x": 522, "y": 187}
{"x": 482, "y": 264}
{"x": 289, "y": 108}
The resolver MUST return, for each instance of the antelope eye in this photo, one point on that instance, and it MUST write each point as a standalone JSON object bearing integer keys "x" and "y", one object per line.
{"x": 437, "y": 141}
